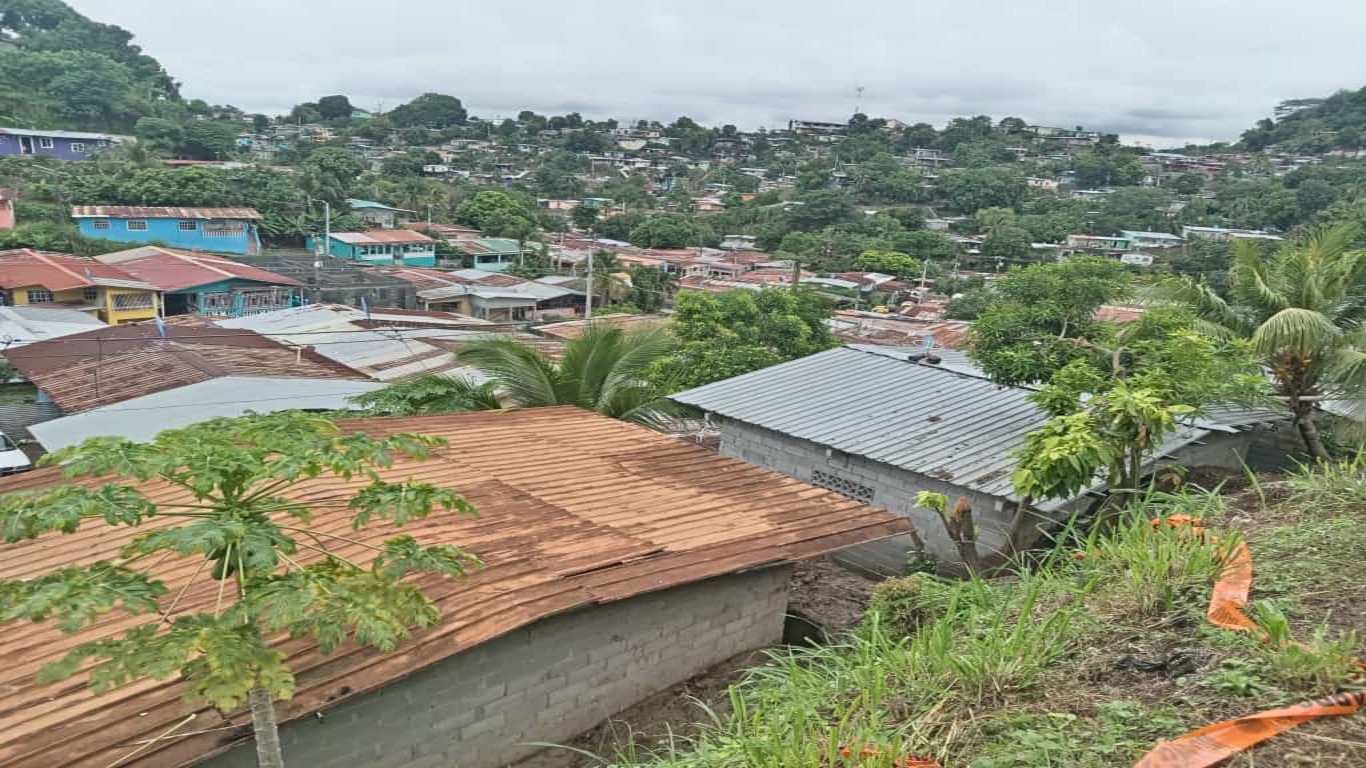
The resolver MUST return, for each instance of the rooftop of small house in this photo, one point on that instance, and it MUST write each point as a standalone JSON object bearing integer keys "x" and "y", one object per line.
{"x": 171, "y": 269}
{"x": 116, "y": 363}
{"x": 575, "y": 510}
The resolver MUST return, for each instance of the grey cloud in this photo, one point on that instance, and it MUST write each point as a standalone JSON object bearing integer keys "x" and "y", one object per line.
{"x": 1162, "y": 68}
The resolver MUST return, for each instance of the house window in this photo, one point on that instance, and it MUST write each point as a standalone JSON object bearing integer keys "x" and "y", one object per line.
{"x": 189, "y": 226}
{"x": 90, "y": 294}
{"x": 843, "y": 486}
{"x": 77, "y": 146}
{"x": 39, "y": 296}
{"x": 224, "y": 228}
{"x": 46, "y": 143}
{"x": 136, "y": 225}
{"x": 101, "y": 224}
{"x": 133, "y": 301}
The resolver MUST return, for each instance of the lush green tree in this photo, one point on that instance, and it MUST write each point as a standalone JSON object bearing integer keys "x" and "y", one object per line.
{"x": 1041, "y": 315}
{"x": 584, "y": 216}
{"x": 727, "y": 334}
{"x": 1188, "y": 183}
{"x": 890, "y": 263}
{"x": 665, "y": 230}
{"x": 820, "y": 209}
{"x": 992, "y": 221}
{"x": 230, "y": 511}
{"x": 1132, "y": 208}
{"x": 305, "y": 113}
{"x": 209, "y": 140}
{"x": 1009, "y": 244}
{"x": 1302, "y": 310}
{"x": 335, "y": 107}
{"x": 650, "y": 286}
{"x": 430, "y": 110}
{"x": 925, "y": 245}
{"x": 618, "y": 226}
{"x": 1113, "y": 408}
{"x": 1107, "y": 168}
{"x": 968, "y": 305}
{"x": 159, "y": 132}
{"x": 334, "y": 169}
{"x": 971, "y": 190}
{"x": 498, "y": 214}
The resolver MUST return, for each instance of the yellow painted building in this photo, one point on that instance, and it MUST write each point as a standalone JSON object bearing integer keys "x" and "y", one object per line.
{"x": 112, "y": 295}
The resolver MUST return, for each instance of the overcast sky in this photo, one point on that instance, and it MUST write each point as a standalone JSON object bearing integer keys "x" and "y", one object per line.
{"x": 1154, "y": 70}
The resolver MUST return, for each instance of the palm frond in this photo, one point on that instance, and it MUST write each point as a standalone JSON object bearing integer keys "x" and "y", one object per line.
{"x": 528, "y": 378}
{"x": 1295, "y": 330}
{"x": 638, "y": 352}
{"x": 428, "y": 395}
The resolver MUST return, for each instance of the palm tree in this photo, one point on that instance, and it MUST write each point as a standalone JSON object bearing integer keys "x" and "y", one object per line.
{"x": 429, "y": 394}
{"x": 1303, "y": 310}
{"x": 604, "y": 370}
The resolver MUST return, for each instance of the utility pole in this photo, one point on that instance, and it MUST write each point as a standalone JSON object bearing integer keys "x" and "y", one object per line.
{"x": 429, "y": 215}
{"x": 796, "y": 271}
{"x": 588, "y": 302}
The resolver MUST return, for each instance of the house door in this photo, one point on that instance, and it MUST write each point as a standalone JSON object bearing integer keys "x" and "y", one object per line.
{"x": 25, "y": 145}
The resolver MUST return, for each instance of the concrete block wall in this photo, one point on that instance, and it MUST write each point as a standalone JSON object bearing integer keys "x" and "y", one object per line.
{"x": 894, "y": 489}
{"x": 547, "y": 682}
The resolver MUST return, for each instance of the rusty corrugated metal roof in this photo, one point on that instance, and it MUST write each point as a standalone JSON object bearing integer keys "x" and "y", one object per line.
{"x": 121, "y": 362}
{"x": 575, "y": 510}
{"x": 171, "y": 269}
{"x": 59, "y": 272}
{"x": 145, "y": 212}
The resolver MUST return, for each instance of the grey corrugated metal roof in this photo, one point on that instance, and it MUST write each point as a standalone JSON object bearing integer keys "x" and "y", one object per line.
{"x": 947, "y": 422}
{"x": 936, "y": 422}
{"x": 141, "y": 418}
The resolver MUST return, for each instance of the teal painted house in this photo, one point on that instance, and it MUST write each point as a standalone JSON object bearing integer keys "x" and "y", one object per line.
{"x": 203, "y": 284}
{"x": 218, "y": 230}
{"x": 381, "y": 247}
{"x": 491, "y": 254}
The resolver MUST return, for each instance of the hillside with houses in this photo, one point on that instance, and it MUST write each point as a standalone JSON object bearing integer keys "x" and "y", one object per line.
{"x": 415, "y": 437}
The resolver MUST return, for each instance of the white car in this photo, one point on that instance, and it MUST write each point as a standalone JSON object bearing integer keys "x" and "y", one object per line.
{"x": 12, "y": 460}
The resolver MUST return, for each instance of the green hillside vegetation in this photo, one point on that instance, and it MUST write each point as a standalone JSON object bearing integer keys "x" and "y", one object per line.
{"x": 59, "y": 69}
{"x": 1337, "y": 122}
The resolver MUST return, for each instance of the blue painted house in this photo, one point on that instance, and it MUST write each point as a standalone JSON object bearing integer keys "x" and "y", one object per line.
{"x": 218, "y": 230}
{"x": 381, "y": 247}
{"x": 65, "y": 145}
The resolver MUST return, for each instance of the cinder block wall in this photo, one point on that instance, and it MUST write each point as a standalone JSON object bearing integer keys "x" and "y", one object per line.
{"x": 545, "y": 683}
{"x": 894, "y": 490}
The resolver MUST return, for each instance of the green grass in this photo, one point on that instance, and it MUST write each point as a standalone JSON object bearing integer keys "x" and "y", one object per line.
{"x": 1029, "y": 670}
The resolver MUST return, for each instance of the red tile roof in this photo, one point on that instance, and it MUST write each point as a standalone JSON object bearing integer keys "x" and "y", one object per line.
{"x": 121, "y": 362}
{"x": 59, "y": 272}
{"x": 140, "y": 212}
{"x": 575, "y": 510}
{"x": 170, "y": 269}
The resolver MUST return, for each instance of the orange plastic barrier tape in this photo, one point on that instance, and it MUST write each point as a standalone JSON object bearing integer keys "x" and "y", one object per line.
{"x": 1231, "y": 591}
{"x": 909, "y": 761}
{"x": 1213, "y": 744}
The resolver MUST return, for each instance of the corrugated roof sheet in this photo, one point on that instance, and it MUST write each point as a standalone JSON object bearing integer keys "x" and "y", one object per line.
{"x": 141, "y": 418}
{"x": 396, "y": 351}
{"x": 160, "y": 212}
{"x": 944, "y": 421}
{"x": 24, "y": 325}
{"x": 59, "y": 272}
{"x": 170, "y": 269}
{"x": 381, "y": 237}
{"x": 943, "y": 424}
{"x": 120, "y": 362}
{"x": 575, "y": 510}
